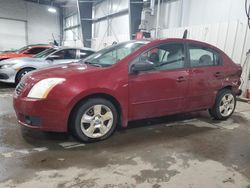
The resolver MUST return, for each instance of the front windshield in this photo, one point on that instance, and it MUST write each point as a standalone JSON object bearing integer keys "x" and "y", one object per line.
{"x": 45, "y": 53}
{"x": 112, "y": 54}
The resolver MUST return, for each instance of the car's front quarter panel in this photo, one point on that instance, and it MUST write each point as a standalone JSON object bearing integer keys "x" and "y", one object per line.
{"x": 114, "y": 85}
{"x": 17, "y": 65}
{"x": 50, "y": 110}
{"x": 8, "y": 75}
{"x": 55, "y": 110}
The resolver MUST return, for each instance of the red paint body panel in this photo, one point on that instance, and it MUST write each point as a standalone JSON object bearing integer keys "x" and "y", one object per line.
{"x": 157, "y": 93}
{"x": 23, "y": 53}
{"x": 143, "y": 95}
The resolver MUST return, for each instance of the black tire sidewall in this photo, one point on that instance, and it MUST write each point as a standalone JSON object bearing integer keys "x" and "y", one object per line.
{"x": 19, "y": 74}
{"x": 81, "y": 109}
{"x": 216, "y": 111}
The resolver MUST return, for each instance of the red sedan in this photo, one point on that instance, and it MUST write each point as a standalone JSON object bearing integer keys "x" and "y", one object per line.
{"x": 128, "y": 81}
{"x": 27, "y": 51}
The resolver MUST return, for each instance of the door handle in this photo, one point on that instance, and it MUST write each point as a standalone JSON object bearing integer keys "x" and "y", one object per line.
{"x": 181, "y": 79}
{"x": 217, "y": 74}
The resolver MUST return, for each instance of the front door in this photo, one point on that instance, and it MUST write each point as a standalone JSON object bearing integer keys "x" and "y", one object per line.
{"x": 160, "y": 91}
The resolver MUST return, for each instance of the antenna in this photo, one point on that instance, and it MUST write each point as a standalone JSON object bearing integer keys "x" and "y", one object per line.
{"x": 185, "y": 34}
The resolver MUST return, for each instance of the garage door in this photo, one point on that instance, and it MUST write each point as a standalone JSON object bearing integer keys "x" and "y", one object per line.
{"x": 12, "y": 34}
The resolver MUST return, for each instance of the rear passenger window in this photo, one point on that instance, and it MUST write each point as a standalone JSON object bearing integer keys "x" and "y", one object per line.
{"x": 203, "y": 56}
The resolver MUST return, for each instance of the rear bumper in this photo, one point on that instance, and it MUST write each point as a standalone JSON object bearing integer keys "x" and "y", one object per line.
{"x": 43, "y": 115}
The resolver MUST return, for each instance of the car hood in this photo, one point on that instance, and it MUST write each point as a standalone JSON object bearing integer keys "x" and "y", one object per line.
{"x": 21, "y": 60}
{"x": 62, "y": 71}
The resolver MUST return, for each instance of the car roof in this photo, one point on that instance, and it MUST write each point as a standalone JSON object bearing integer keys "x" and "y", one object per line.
{"x": 181, "y": 40}
{"x": 77, "y": 48}
{"x": 39, "y": 45}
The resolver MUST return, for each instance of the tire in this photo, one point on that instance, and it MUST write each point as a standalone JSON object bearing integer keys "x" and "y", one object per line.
{"x": 93, "y": 120}
{"x": 224, "y": 106}
{"x": 21, "y": 73}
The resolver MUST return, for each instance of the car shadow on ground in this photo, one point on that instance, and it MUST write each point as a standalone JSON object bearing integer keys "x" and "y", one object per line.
{"x": 150, "y": 129}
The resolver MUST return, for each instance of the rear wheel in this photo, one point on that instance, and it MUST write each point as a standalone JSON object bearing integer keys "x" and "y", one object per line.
{"x": 21, "y": 74}
{"x": 94, "y": 120}
{"x": 224, "y": 105}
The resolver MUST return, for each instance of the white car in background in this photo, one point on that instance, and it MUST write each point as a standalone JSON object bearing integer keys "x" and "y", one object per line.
{"x": 12, "y": 70}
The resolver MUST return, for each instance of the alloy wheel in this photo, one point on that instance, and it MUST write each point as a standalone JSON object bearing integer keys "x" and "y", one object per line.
{"x": 24, "y": 73}
{"x": 97, "y": 121}
{"x": 227, "y": 105}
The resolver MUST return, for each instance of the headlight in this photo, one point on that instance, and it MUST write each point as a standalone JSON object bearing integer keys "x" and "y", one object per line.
{"x": 42, "y": 88}
{"x": 5, "y": 66}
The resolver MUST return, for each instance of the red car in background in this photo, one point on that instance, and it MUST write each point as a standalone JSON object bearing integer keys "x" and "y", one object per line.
{"x": 128, "y": 81}
{"x": 27, "y": 51}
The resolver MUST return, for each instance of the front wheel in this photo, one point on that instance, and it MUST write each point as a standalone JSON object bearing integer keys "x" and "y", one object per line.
{"x": 95, "y": 119}
{"x": 224, "y": 106}
{"x": 21, "y": 74}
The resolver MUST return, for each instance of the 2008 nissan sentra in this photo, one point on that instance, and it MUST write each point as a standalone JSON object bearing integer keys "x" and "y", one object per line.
{"x": 128, "y": 81}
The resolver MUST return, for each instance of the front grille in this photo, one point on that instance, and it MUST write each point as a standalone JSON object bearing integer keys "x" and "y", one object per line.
{"x": 20, "y": 88}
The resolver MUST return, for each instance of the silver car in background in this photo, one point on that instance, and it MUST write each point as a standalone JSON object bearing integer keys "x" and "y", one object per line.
{"x": 12, "y": 70}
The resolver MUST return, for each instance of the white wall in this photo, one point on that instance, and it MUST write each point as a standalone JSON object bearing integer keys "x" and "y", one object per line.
{"x": 233, "y": 38}
{"x": 9, "y": 38}
{"x": 221, "y": 23}
{"x": 178, "y": 13}
{"x": 105, "y": 32}
{"x": 218, "y": 22}
{"x": 41, "y": 24}
{"x": 206, "y": 12}
{"x": 71, "y": 17}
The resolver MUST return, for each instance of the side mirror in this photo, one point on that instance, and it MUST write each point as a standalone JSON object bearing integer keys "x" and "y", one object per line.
{"x": 143, "y": 66}
{"x": 52, "y": 57}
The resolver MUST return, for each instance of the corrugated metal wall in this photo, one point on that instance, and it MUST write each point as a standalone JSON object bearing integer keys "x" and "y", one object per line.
{"x": 233, "y": 37}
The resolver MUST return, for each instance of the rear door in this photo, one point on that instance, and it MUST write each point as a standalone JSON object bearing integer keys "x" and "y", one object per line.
{"x": 206, "y": 73}
{"x": 162, "y": 90}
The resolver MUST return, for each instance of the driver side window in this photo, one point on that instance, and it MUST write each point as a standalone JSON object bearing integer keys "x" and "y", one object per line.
{"x": 165, "y": 57}
{"x": 66, "y": 54}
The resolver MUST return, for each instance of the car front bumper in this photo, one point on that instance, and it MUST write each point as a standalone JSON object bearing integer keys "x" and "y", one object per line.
{"x": 45, "y": 115}
{"x": 8, "y": 75}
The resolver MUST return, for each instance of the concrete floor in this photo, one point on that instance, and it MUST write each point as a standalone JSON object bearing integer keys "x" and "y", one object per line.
{"x": 184, "y": 151}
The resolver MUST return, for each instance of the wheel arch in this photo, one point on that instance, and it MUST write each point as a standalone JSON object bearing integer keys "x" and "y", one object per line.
{"x": 23, "y": 68}
{"x": 106, "y": 96}
{"x": 227, "y": 87}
